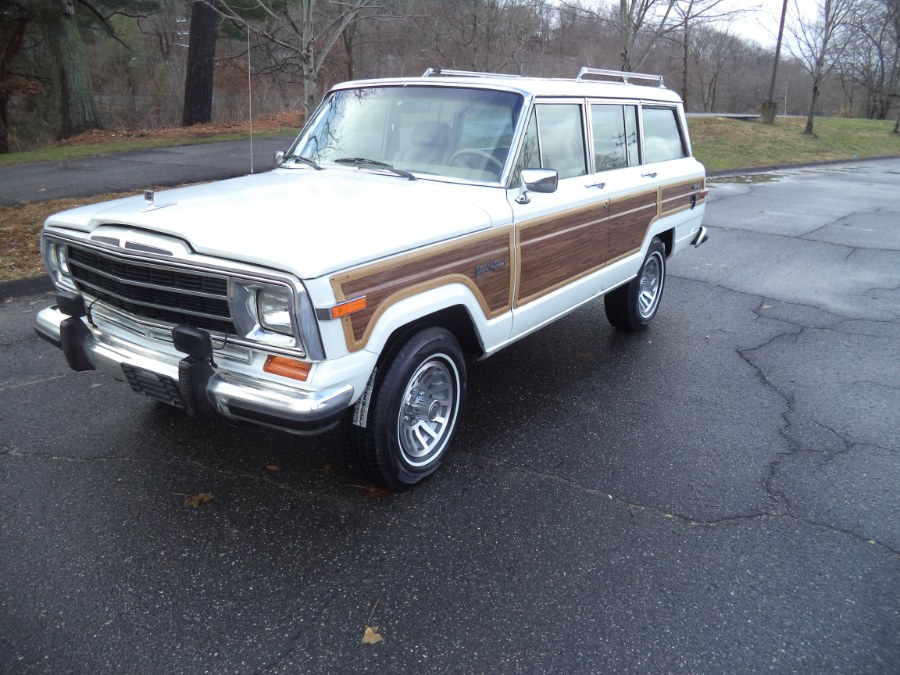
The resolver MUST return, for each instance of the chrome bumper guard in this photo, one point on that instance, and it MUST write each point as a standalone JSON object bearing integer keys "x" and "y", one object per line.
{"x": 194, "y": 383}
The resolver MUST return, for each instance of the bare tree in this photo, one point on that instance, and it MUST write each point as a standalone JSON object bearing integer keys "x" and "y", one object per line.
{"x": 299, "y": 34}
{"x": 872, "y": 58}
{"x": 690, "y": 14}
{"x": 638, "y": 24}
{"x": 483, "y": 35}
{"x": 893, "y": 10}
{"x": 712, "y": 51}
{"x": 818, "y": 44}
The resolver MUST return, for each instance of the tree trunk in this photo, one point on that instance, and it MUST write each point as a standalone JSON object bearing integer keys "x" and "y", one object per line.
{"x": 308, "y": 58}
{"x": 4, "y": 124}
{"x": 685, "y": 53}
{"x": 812, "y": 110}
{"x": 73, "y": 82}
{"x": 625, "y": 34}
{"x": 198, "y": 82}
{"x": 770, "y": 107}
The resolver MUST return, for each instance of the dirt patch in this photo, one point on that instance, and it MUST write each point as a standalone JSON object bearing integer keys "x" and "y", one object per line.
{"x": 20, "y": 233}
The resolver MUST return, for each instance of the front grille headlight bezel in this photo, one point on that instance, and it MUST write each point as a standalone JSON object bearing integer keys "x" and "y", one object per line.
{"x": 258, "y": 310}
{"x": 55, "y": 257}
{"x": 240, "y": 284}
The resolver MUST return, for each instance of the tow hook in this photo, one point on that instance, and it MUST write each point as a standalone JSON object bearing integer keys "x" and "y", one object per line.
{"x": 194, "y": 370}
{"x": 72, "y": 331}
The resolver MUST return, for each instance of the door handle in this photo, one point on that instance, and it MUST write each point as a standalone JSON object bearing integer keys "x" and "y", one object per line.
{"x": 648, "y": 175}
{"x": 599, "y": 186}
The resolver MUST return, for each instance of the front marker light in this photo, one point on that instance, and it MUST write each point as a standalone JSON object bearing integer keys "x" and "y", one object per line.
{"x": 273, "y": 307}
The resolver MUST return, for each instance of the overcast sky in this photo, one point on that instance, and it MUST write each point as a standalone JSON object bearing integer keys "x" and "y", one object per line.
{"x": 762, "y": 25}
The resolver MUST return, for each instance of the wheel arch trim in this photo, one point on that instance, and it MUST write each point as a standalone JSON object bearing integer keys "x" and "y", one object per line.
{"x": 415, "y": 306}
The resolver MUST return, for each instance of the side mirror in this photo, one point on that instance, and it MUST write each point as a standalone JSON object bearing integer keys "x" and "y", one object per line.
{"x": 537, "y": 180}
{"x": 279, "y": 157}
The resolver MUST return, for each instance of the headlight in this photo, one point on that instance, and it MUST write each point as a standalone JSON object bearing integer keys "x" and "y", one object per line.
{"x": 62, "y": 260}
{"x": 57, "y": 262}
{"x": 273, "y": 307}
{"x": 264, "y": 313}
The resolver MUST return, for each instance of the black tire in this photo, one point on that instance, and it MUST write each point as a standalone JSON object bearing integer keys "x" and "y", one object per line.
{"x": 632, "y": 307}
{"x": 413, "y": 410}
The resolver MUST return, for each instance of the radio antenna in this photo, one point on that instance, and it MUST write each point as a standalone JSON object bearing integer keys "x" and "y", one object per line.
{"x": 250, "y": 97}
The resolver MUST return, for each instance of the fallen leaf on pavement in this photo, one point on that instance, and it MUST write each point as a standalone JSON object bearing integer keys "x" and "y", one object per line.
{"x": 199, "y": 499}
{"x": 372, "y": 636}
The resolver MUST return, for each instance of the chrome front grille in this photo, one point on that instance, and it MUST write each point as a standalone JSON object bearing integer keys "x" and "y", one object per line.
{"x": 153, "y": 291}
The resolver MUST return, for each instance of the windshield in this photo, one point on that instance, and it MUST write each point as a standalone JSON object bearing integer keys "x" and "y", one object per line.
{"x": 442, "y": 131}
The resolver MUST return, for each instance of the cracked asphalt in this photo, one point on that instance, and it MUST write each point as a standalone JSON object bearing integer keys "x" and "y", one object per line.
{"x": 720, "y": 494}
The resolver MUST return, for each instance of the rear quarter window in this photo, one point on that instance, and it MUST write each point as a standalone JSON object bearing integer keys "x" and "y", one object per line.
{"x": 663, "y": 139}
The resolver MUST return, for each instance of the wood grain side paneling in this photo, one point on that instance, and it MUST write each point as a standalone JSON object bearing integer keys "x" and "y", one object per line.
{"x": 481, "y": 262}
{"x": 556, "y": 251}
{"x": 680, "y": 196}
{"x": 629, "y": 220}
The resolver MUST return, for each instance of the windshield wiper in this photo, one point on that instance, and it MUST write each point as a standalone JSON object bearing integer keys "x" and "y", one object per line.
{"x": 298, "y": 159}
{"x": 362, "y": 161}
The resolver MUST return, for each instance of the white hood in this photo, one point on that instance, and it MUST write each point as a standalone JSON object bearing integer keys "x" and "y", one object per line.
{"x": 306, "y": 222}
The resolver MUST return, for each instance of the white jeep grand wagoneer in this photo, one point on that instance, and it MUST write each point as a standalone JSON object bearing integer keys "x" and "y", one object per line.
{"x": 413, "y": 221}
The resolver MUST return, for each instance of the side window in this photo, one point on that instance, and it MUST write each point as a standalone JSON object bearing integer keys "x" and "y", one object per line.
{"x": 614, "y": 131}
{"x": 530, "y": 155}
{"x": 561, "y": 138}
{"x": 662, "y": 135}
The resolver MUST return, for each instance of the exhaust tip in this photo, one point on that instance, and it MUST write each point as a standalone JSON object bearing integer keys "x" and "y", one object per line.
{"x": 701, "y": 237}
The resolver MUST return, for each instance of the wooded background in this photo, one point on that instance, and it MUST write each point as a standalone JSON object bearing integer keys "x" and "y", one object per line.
{"x": 69, "y": 66}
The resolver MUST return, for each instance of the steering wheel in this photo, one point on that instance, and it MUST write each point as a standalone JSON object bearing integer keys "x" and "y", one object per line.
{"x": 475, "y": 152}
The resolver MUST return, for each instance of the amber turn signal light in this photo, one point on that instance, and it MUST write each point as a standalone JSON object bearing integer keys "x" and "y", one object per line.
{"x": 287, "y": 367}
{"x": 349, "y": 307}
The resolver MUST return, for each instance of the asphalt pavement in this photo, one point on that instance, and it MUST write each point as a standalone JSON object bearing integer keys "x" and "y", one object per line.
{"x": 716, "y": 495}
{"x": 136, "y": 170}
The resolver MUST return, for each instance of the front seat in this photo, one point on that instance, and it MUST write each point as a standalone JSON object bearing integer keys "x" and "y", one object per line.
{"x": 430, "y": 144}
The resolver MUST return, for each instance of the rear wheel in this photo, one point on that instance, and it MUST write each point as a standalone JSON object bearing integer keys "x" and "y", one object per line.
{"x": 400, "y": 432}
{"x": 632, "y": 307}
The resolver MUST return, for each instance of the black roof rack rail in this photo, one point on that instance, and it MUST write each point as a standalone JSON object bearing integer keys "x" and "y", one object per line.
{"x": 622, "y": 75}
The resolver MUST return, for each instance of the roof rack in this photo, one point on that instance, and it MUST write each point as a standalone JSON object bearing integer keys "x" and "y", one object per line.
{"x": 439, "y": 72}
{"x": 623, "y": 75}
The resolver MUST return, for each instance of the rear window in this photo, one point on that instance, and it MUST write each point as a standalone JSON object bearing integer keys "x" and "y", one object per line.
{"x": 662, "y": 135}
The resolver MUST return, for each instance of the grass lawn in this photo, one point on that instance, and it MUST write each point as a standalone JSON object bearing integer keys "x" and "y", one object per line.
{"x": 725, "y": 144}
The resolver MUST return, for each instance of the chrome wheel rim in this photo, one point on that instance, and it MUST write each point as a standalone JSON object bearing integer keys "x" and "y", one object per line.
{"x": 428, "y": 410}
{"x": 650, "y": 285}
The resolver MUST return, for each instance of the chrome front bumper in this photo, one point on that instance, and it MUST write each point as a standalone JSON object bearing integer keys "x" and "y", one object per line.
{"x": 197, "y": 387}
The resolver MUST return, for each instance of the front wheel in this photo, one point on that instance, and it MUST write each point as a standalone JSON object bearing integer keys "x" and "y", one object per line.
{"x": 401, "y": 429}
{"x": 632, "y": 307}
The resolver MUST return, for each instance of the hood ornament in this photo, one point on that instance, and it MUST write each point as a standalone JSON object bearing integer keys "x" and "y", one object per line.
{"x": 150, "y": 202}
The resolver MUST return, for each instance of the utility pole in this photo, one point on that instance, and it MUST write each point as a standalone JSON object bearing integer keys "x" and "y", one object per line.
{"x": 770, "y": 106}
